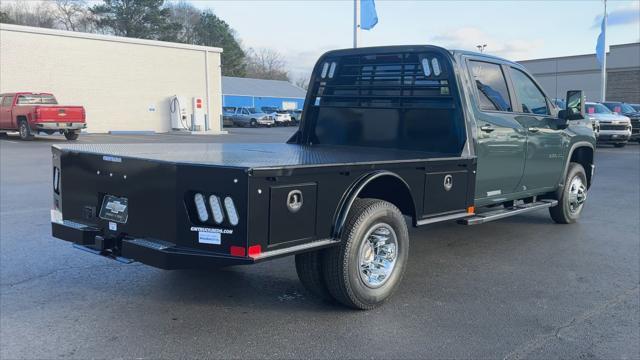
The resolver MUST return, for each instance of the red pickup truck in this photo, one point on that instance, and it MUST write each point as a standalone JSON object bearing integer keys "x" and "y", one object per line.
{"x": 32, "y": 113}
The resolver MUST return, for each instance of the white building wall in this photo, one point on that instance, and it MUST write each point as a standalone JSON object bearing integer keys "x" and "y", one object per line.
{"x": 124, "y": 84}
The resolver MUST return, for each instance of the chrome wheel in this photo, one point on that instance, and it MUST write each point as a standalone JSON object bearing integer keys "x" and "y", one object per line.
{"x": 378, "y": 254}
{"x": 577, "y": 194}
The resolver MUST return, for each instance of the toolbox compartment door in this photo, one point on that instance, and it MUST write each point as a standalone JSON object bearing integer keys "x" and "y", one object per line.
{"x": 292, "y": 213}
{"x": 445, "y": 192}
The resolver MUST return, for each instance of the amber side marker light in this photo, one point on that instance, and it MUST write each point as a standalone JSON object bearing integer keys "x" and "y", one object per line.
{"x": 471, "y": 210}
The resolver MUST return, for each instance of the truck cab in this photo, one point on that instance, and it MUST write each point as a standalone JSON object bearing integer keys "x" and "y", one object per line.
{"x": 389, "y": 136}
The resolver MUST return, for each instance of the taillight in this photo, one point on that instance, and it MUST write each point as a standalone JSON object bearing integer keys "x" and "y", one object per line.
{"x": 201, "y": 207}
{"x": 37, "y": 114}
{"x": 216, "y": 208}
{"x": 232, "y": 213}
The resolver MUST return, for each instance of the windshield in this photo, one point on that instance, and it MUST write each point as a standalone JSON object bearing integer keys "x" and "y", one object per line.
{"x": 597, "y": 109}
{"x": 620, "y": 108}
{"x": 31, "y": 99}
{"x": 626, "y": 108}
{"x": 253, "y": 110}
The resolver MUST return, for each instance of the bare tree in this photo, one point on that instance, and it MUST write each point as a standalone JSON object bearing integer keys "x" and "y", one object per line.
{"x": 38, "y": 14}
{"x": 266, "y": 63}
{"x": 73, "y": 15}
{"x": 188, "y": 16}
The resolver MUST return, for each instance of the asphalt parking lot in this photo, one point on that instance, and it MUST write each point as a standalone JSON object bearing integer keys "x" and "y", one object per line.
{"x": 522, "y": 287}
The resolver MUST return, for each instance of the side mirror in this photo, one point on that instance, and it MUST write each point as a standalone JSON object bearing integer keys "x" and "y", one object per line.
{"x": 575, "y": 106}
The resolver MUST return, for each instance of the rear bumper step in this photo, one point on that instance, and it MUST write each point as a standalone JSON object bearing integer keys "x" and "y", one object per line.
{"x": 157, "y": 253}
{"x": 504, "y": 213}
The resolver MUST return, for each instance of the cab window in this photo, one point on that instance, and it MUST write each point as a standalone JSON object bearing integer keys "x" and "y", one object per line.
{"x": 491, "y": 85}
{"x": 6, "y": 100}
{"x": 529, "y": 95}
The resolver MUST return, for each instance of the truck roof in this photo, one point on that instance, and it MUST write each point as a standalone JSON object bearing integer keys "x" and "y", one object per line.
{"x": 417, "y": 47}
{"x": 253, "y": 156}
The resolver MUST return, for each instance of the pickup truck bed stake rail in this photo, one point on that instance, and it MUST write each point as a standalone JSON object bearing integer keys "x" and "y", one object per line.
{"x": 386, "y": 133}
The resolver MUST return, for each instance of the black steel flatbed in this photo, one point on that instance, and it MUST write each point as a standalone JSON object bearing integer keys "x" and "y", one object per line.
{"x": 268, "y": 156}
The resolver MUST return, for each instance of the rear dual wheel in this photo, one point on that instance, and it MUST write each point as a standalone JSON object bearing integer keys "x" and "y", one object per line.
{"x": 368, "y": 265}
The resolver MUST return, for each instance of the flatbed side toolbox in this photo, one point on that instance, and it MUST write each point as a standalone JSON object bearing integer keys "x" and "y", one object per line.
{"x": 292, "y": 213}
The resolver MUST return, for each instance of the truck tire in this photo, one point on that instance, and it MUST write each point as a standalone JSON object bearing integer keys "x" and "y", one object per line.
{"x": 309, "y": 269}
{"x": 71, "y": 135}
{"x": 253, "y": 123}
{"x": 572, "y": 197}
{"x": 620, "y": 145}
{"x": 25, "y": 131}
{"x": 366, "y": 268}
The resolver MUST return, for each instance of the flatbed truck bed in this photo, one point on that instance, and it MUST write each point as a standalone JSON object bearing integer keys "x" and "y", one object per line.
{"x": 255, "y": 157}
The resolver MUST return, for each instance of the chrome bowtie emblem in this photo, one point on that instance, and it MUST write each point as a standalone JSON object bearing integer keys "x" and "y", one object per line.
{"x": 448, "y": 182}
{"x": 294, "y": 200}
{"x": 115, "y": 207}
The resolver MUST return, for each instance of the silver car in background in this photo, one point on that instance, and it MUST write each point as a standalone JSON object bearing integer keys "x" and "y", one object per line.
{"x": 247, "y": 116}
{"x": 614, "y": 129}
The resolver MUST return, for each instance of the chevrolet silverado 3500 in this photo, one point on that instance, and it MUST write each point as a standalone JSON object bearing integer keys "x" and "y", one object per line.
{"x": 390, "y": 136}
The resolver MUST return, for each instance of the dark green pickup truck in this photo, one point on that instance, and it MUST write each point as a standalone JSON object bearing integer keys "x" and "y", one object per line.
{"x": 390, "y": 136}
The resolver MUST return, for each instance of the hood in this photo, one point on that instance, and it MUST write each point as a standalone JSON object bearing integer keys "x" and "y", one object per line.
{"x": 608, "y": 117}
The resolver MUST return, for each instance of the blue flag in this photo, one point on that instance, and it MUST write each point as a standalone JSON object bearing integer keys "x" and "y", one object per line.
{"x": 368, "y": 14}
{"x": 600, "y": 50}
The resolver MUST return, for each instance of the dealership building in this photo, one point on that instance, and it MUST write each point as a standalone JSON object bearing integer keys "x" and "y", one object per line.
{"x": 583, "y": 72}
{"x": 125, "y": 84}
{"x": 259, "y": 93}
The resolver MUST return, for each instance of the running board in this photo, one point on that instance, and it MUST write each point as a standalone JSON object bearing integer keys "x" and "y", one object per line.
{"x": 504, "y": 213}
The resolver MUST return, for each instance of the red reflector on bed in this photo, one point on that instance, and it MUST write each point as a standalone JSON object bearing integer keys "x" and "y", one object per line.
{"x": 255, "y": 251}
{"x": 237, "y": 251}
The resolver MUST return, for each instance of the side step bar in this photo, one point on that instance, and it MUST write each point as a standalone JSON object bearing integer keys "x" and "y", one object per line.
{"x": 504, "y": 213}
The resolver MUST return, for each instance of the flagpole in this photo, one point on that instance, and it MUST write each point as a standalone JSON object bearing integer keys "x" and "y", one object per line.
{"x": 604, "y": 57}
{"x": 356, "y": 22}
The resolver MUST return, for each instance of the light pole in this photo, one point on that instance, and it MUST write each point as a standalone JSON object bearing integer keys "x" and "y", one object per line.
{"x": 481, "y": 47}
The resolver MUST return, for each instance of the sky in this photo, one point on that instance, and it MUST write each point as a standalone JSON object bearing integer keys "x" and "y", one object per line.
{"x": 302, "y": 30}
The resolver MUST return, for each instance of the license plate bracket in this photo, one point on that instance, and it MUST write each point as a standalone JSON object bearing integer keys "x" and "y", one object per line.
{"x": 115, "y": 209}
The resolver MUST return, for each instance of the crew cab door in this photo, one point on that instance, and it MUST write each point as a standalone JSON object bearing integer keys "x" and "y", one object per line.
{"x": 6, "y": 103}
{"x": 545, "y": 141}
{"x": 500, "y": 139}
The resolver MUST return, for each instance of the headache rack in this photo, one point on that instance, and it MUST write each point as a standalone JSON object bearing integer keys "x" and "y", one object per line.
{"x": 390, "y": 97}
{"x": 396, "y": 80}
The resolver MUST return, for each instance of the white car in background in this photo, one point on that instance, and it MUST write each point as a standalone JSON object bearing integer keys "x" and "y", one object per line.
{"x": 281, "y": 117}
{"x": 614, "y": 129}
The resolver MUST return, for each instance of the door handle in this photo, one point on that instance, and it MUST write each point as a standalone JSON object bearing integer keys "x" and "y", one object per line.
{"x": 487, "y": 128}
{"x": 534, "y": 129}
